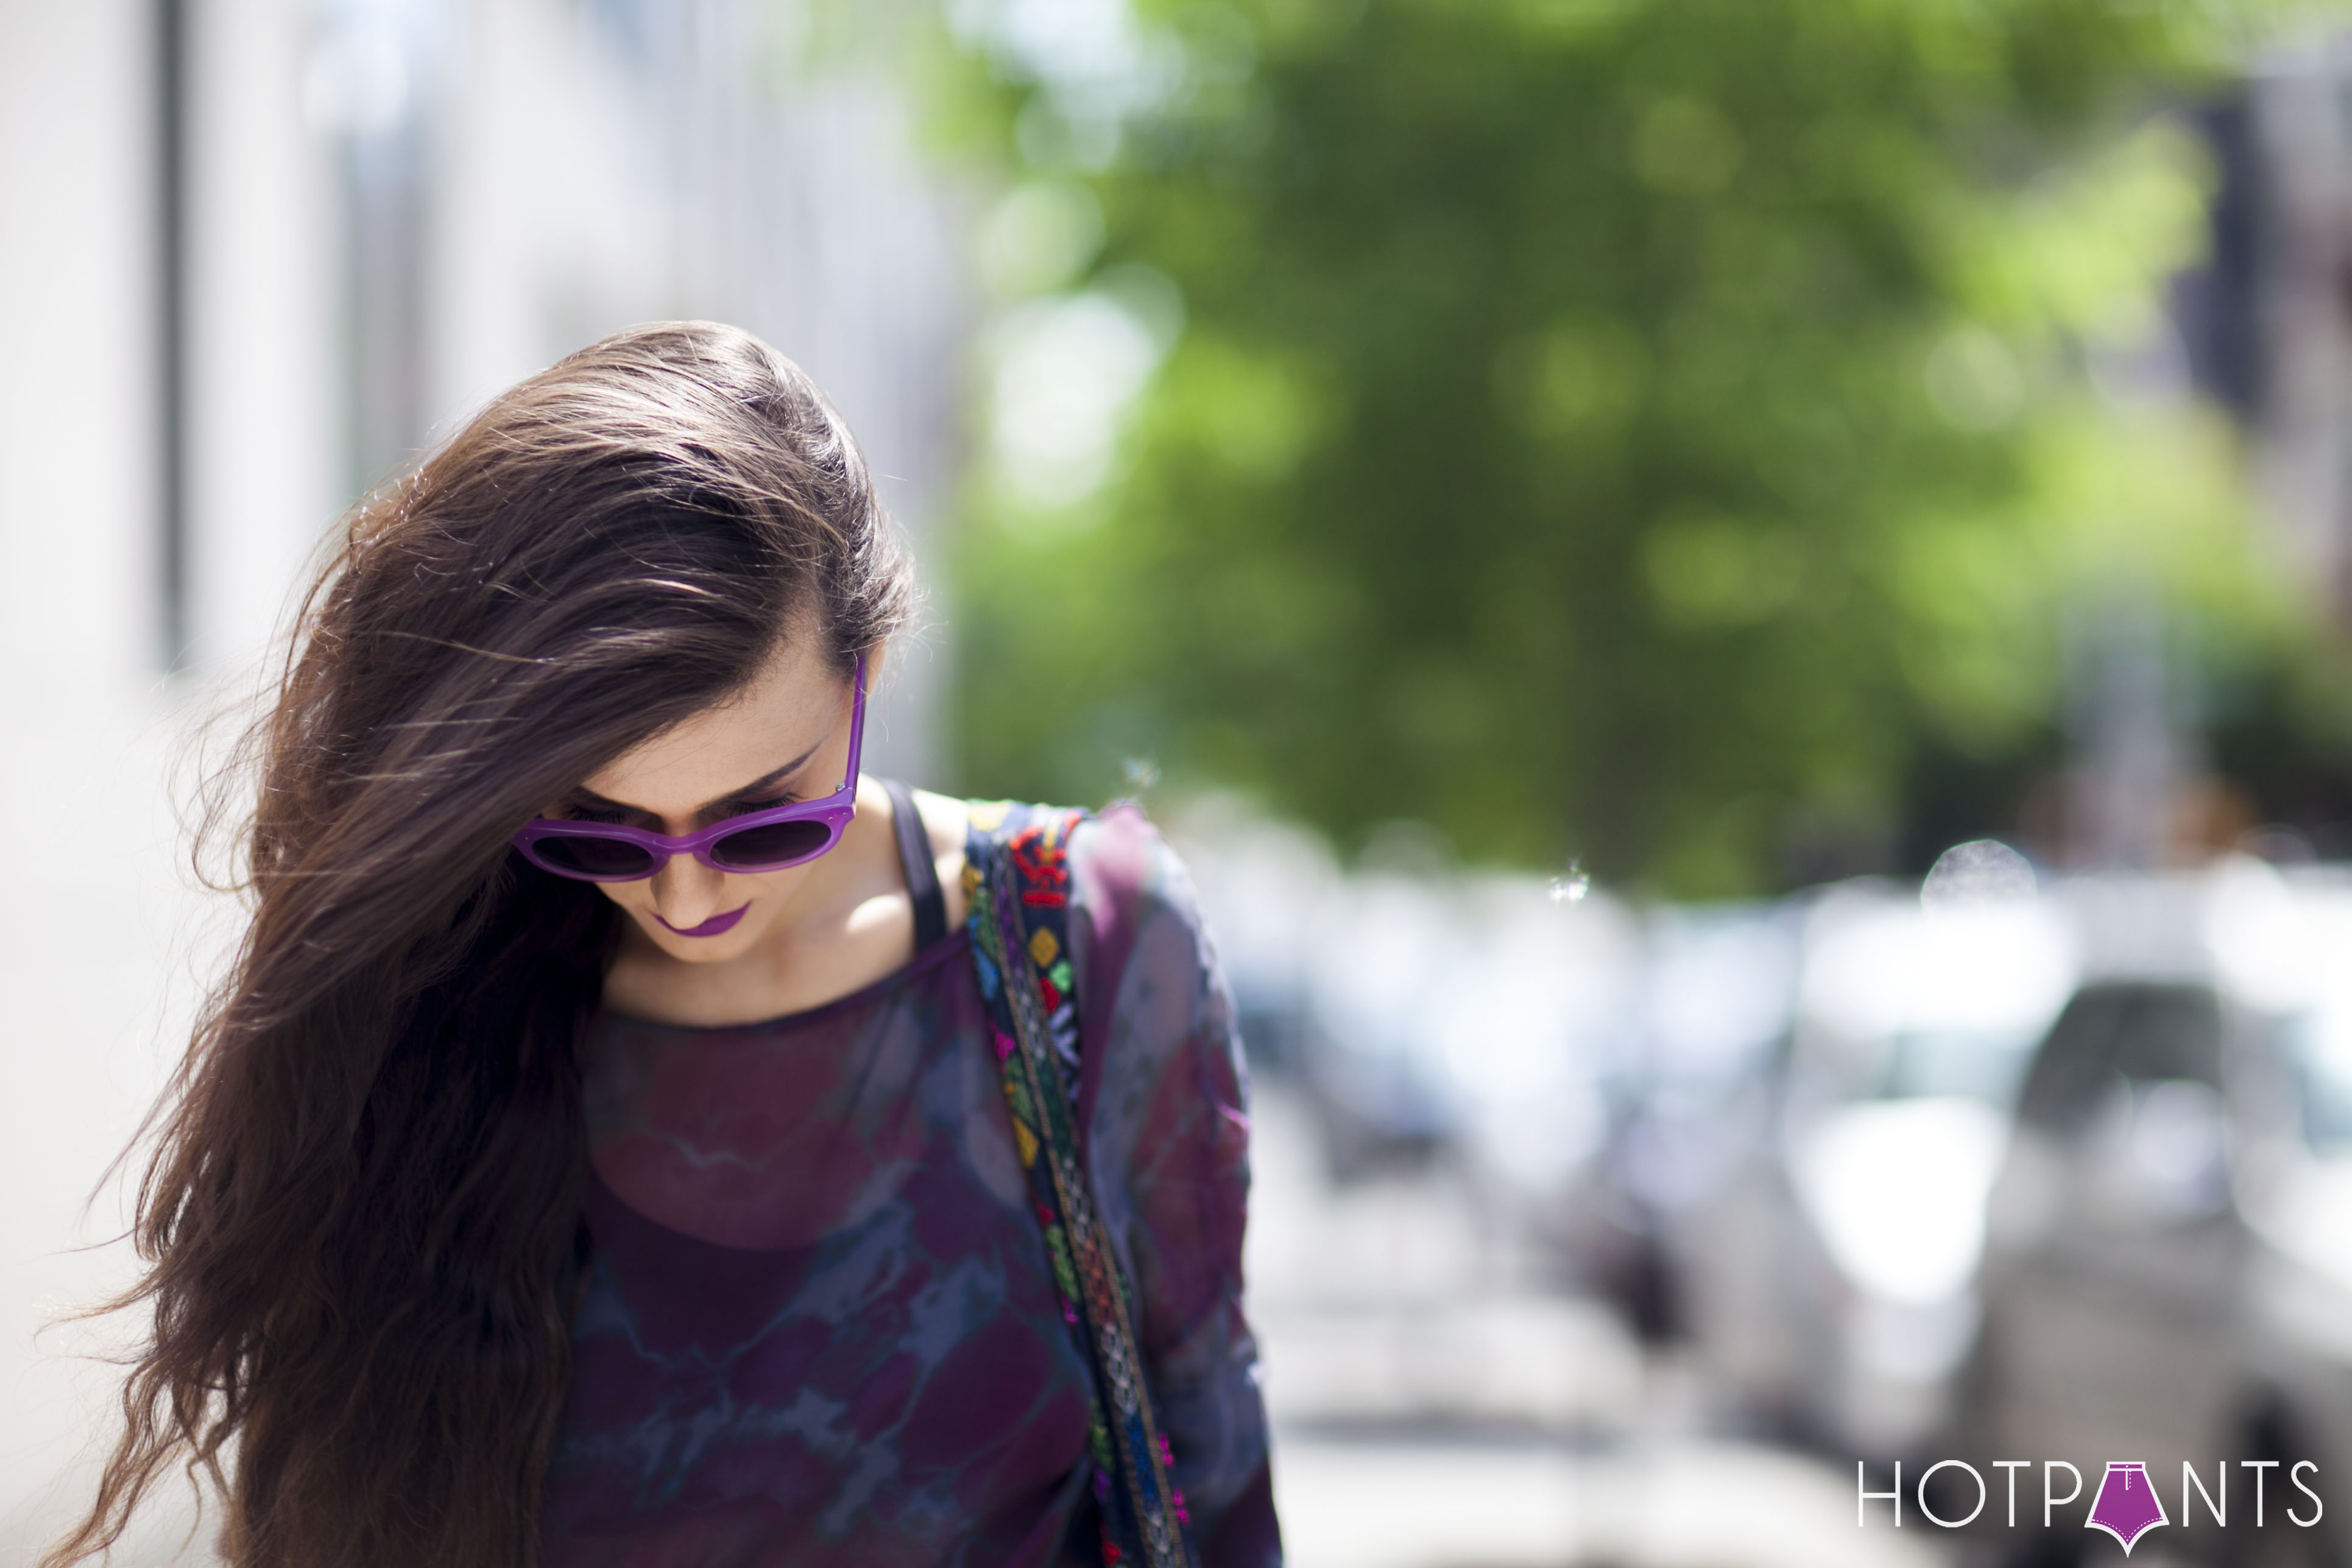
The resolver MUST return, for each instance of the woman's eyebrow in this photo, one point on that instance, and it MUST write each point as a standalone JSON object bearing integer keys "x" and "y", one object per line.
{"x": 774, "y": 776}
{"x": 765, "y": 780}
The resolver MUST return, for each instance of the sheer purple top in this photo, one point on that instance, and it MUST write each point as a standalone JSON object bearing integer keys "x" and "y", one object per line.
{"x": 820, "y": 1327}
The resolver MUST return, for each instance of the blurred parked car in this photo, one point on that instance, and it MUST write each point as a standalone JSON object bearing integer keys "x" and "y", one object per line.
{"x": 1685, "y": 1076}
{"x": 1830, "y": 1283}
{"x": 1425, "y": 1011}
{"x": 2169, "y": 1270}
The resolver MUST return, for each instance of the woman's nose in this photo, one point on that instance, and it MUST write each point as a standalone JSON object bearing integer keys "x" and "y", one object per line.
{"x": 685, "y": 892}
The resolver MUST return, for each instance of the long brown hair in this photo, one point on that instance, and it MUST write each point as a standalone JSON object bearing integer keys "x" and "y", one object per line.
{"x": 361, "y": 1215}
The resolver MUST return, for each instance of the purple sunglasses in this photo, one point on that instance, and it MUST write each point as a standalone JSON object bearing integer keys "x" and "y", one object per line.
{"x": 756, "y": 841}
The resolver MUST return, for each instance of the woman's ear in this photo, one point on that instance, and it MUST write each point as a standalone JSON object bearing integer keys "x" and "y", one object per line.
{"x": 874, "y": 658}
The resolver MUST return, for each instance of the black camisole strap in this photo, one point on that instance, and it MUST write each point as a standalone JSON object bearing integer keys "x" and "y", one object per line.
{"x": 915, "y": 860}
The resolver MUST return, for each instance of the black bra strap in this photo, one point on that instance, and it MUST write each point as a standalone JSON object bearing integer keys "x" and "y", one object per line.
{"x": 915, "y": 860}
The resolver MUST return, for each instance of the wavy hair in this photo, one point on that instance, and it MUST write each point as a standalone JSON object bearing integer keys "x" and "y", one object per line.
{"x": 360, "y": 1220}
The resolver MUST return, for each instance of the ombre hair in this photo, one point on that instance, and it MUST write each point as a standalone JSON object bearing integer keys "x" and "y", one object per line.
{"x": 362, "y": 1217}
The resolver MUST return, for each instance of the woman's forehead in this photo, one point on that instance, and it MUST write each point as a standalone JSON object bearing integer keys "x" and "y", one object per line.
{"x": 786, "y": 712}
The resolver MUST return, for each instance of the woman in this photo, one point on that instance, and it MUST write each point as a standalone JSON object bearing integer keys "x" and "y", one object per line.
{"x": 597, "y": 1153}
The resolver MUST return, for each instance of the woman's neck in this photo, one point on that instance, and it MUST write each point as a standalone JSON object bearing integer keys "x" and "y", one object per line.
{"x": 847, "y": 924}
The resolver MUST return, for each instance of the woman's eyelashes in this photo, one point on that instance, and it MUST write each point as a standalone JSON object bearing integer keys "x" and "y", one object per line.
{"x": 633, "y": 817}
{"x": 765, "y": 803}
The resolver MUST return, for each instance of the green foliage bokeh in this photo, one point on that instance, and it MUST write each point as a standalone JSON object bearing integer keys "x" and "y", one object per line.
{"x": 1626, "y": 429}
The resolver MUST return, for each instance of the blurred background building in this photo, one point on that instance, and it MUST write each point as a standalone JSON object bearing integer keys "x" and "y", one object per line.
{"x": 1739, "y": 608}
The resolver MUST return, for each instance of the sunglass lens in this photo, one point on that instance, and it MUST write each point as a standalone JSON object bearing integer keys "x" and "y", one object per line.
{"x": 776, "y": 843}
{"x": 582, "y": 855}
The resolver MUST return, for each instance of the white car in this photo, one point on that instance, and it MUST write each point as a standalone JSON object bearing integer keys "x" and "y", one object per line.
{"x": 1831, "y": 1280}
{"x": 2169, "y": 1267}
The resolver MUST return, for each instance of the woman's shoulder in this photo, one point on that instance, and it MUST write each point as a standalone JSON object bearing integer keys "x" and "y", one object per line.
{"x": 1120, "y": 854}
{"x": 1125, "y": 882}
{"x": 1115, "y": 853}
{"x": 1121, "y": 867}
{"x": 1159, "y": 1049}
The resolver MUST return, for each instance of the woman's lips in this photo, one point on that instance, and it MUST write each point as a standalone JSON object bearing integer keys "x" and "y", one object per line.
{"x": 715, "y": 926}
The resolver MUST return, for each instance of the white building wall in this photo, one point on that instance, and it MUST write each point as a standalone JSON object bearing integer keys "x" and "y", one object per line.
{"x": 95, "y": 915}
{"x": 76, "y": 405}
{"x": 265, "y": 406}
{"x": 586, "y": 178}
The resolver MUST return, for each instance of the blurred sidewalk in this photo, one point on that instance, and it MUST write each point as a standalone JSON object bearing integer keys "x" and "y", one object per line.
{"x": 1434, "y": 1407}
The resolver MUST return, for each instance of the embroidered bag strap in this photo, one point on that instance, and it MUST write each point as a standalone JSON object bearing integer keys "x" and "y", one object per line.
{"x": 1017, "y": 878}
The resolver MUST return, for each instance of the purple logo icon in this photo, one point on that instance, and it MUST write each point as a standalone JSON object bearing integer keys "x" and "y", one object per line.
{"x": 2127, "y": 1507}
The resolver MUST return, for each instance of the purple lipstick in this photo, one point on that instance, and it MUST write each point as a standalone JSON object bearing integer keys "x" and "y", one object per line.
{"x": 717, "y": 925}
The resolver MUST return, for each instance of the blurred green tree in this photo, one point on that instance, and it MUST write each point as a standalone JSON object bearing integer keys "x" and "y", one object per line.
{"x": 1628, "y": 429}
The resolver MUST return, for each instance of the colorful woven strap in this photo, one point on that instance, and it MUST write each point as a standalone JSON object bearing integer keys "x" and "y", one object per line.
{"x": 1018, "y": 878}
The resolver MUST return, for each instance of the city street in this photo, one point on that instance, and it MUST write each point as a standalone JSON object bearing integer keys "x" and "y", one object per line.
{"x": 1739, "y": 614}
{"x": 1434, "y": 1410}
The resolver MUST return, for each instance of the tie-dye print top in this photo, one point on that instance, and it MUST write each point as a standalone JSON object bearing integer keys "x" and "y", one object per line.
{"x": 820, "y": 1327}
